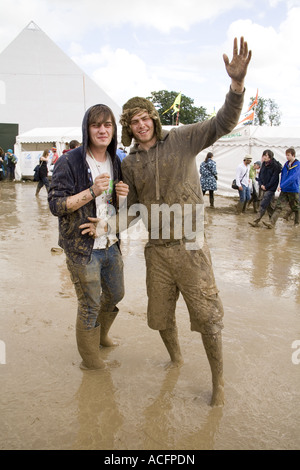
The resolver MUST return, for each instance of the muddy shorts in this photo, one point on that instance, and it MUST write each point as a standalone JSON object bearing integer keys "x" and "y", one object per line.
{"x": 173, "y": 270}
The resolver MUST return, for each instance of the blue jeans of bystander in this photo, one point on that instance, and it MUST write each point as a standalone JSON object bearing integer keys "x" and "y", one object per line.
{"x": 245, "y": 194}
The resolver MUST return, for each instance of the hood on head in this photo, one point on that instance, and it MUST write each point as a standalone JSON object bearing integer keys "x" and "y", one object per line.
{"x": 112, "y": 148}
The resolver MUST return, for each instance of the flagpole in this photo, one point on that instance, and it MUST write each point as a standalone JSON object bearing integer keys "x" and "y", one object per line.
{"x": 177, "y": 117}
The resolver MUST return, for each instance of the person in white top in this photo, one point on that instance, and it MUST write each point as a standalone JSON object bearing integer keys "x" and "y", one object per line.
{"x": 87, "y": 182}
{"x": 244, "y": 184}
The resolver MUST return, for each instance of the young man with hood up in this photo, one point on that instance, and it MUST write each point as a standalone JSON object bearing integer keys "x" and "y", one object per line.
{"x": 161, "y": 173}
{"x": 86, "y": 182}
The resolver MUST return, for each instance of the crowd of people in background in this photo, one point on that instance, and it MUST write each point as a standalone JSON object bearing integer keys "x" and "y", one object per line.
{"x": 257, "y": 184}
{"x": 260, "y": 182}
{"x": 8, "y": 162}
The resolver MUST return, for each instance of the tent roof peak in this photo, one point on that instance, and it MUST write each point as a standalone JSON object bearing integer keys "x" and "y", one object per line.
{"x": 33, "y": 25}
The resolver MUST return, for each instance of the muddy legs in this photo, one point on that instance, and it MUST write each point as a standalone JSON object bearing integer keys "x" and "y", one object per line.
{"x": 213, "y": 348}
{"x": 170, "y": 339}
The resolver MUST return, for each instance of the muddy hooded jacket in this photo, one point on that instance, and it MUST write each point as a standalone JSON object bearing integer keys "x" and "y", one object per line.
{"x": 290, "y": 177}
{"x": 72, "y": 175}
{"x": 166, "y": 175}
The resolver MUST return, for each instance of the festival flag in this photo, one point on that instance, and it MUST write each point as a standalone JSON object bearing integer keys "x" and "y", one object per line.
{"x": 212, "y": 114}
{"x": 175, "y": 105}
{"x": 250, "y": 117}
{"x": 254, "y": 102}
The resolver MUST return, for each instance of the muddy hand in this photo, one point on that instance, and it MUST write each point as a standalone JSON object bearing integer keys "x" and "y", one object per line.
{"x": 237, "y": 68}
{"x": 122, "y": 189}
{"x": 90, "y": 227}
{"x": 101, "y": 183}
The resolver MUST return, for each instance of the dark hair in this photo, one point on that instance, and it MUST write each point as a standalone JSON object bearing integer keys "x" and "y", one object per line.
{"x": 208, "y": 156}
{"x": 73, "y": 144}
{"x": 269, "y": 153}
{"x": 99, "y": 114}
{"x": 291, "y": 150}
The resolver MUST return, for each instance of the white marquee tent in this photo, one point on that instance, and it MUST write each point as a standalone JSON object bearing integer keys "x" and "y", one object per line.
{"x": 40, "y": 86}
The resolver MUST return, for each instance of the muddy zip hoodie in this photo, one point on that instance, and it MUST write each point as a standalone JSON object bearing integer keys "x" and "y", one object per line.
{"x": 72, "y": 175}
{"x": 166, "y": 174}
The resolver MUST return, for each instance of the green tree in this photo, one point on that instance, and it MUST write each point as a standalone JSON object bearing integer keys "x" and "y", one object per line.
{"x": 188, "y": 114}
{"x": 266, "y": 113}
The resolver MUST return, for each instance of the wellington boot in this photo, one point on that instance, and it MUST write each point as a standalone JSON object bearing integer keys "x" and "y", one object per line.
{"x": 239, "y": 207}
{"x": 287, "y": 215}
{"x": 255, "y": 207}
{"x": 296, "y": 221}
{"x": 88, "y": 347}
{"x": 271, "y": 223}
{"x": 106, "y": 319}
{"x": 255, "y": 223}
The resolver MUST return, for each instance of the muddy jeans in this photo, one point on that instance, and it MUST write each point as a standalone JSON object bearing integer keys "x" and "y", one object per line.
{"x": 173, "y": 270}
{"x": 99, "y": 285}
{"x": 267, "y": 202}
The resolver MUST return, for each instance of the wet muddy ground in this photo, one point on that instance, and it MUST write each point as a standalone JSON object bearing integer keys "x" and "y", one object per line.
{"x": 137, "y": 403}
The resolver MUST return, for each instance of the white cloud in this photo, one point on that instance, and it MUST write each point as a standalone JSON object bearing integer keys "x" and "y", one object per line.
{"x": 275, "y": 66}
{"x": 121, "y": 74}
{"x": 136, "y": 66}
{"x": 75, "y": 18}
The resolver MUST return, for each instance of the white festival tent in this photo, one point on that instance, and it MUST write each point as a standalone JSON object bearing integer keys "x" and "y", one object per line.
{"x": 230, "y": 150}
{"x": 41, "y": 86}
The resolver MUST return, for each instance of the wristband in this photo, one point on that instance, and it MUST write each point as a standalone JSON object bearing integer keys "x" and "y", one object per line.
{"x": 92, "y": 192}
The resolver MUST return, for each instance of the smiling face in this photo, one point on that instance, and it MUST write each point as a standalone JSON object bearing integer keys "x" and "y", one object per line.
{"x": 101, "y": 133}
{"x": 143, "y": 130}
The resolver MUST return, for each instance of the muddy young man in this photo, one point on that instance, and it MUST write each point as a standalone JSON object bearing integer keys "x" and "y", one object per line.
{"x": 161, "y": 170}
{"x": 87, "y": 182}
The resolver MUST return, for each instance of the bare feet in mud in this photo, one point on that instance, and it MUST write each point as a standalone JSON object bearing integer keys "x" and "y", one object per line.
{"x": 218, "y": 398}
{"x": 175, "y": 364}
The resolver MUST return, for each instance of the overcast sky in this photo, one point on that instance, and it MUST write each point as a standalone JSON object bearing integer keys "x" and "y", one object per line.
{"x": 134, "y": 47}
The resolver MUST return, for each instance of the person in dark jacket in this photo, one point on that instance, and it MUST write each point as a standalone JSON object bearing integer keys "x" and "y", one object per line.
{"x": 43, "y": 173}
{"x": 11, "y": 161}
{"x": 289, "y": 187}
{"x": 87, "y": 182}
{"x": 268, "y": 181}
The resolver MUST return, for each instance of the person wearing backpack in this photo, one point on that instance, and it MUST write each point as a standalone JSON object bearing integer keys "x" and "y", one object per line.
{"x": 268, "y": 181}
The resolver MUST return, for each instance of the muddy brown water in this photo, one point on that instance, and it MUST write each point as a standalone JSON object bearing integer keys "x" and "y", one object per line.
{"x": 137, "y": 403}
